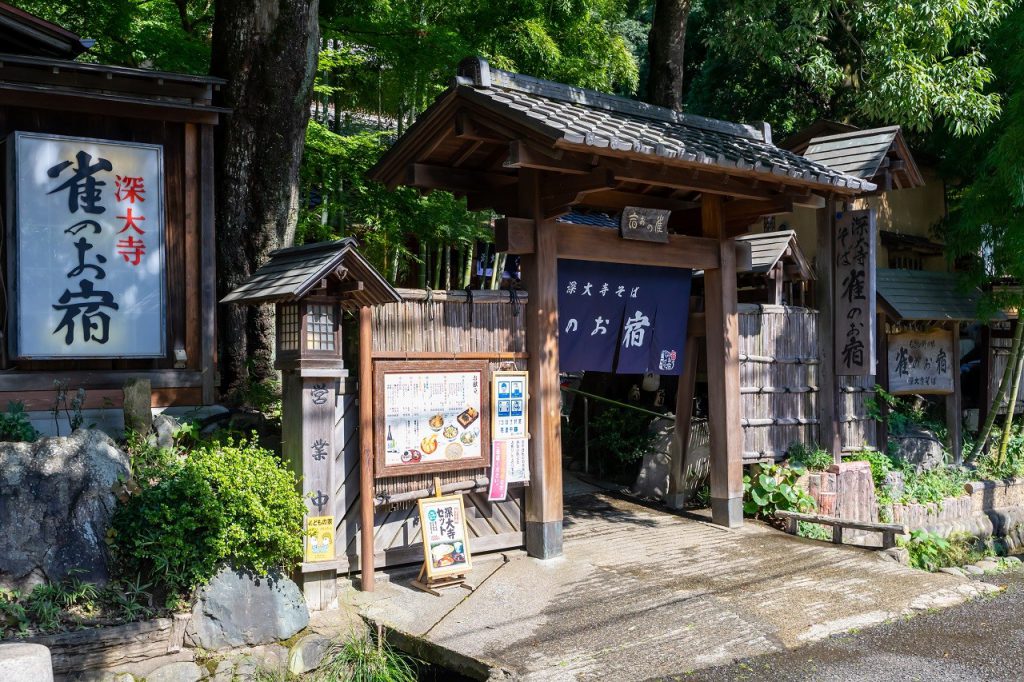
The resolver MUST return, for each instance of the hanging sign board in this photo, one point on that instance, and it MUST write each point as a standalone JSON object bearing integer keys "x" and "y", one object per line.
{"x": 445, "y": 544}
{"x": 644, "y": 224}
{"x": 428, "y": 416}
{"x": 87, "y": 229}
{"x": 921, "y": 362}
{"x": 628, "y": 317}
{"x": 498, "y": 488}
{"x": 515, "y": 458}
{"x": 508, "y": 404}
{"x": 855, "y": 320}
{"x": 319, "y": 538}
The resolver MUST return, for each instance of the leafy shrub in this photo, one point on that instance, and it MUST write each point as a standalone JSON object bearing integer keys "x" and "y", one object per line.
{"x": 772, "y": 487}
{"x": 621, "y": 433}
{"x": 881, "y": 464}
{"x": 230, "y": 502}
{"x": 814, "y": 531}
{"x": 14, "y": 424}
{"x": 990, "y": 467}
{"x": 932, "y": 486}
{"x": 930, "y": 551}
{"x": 810, "y": 457}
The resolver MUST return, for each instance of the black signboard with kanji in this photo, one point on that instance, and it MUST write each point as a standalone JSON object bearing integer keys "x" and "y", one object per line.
{"x": 855, "y": 320}
{"x": 644, "y": 224}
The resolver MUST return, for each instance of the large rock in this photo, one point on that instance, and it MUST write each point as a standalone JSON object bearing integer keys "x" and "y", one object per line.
{"x": 56, "y": 500}
{"x": 920, "y": 447}
{"x": 238, "y": 609}
{"x": 182, "y": 671}
{"x": 20, "y": 661}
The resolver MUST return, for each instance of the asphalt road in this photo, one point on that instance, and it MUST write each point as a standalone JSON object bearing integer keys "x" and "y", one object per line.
{"x": 979, "y": 640}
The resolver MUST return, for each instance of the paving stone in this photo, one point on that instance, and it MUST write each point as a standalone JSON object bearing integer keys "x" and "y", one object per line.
{"x": 974, "y": 570}
{"x": 182, "y": 671}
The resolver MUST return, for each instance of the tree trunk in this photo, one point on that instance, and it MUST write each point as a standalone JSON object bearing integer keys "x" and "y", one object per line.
{"x": 666, "y": 45}
{"x": 1011, "y": 403}
{"x": 997, "y": 400}
{"x": 267, "y": 52}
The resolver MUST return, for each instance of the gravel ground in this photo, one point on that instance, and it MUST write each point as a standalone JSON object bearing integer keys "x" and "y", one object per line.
{"x": 979, "y": 640}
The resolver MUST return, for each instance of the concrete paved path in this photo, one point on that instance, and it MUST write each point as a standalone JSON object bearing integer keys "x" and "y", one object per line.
{"x": 641, "y": 594}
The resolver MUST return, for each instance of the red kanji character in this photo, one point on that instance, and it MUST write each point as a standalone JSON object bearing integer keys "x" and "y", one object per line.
{"x": 130, "y": 221}
{"x": 129, "y": 188}
{"x": 131, "y": 249}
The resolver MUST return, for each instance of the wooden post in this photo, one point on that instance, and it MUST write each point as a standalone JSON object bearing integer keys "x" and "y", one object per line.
{"x": 828, "y": 429}
{"x": 954, "y": 416}
{"x": 366, "y": 526}
{"x": 882, "y": 379}
{"x": 540, "y": 273}
{"x": 676, "y": 497}
{"x": 723, "y": 355}
{"x": 208, "y": 263}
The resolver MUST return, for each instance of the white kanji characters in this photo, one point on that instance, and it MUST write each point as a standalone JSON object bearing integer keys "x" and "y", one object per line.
{"x": 586, "y": 289}
{"x": 572, "y": 326}
{"x": 633, "y": 336}
{"x": 604, "y": 289}
{"x": 571, "y": 287}
{"x": 600, "y": 326}
{"x": 620, "y": 290}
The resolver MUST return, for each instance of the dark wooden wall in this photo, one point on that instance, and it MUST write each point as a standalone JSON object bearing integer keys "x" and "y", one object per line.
{"x": 187, "y": 147}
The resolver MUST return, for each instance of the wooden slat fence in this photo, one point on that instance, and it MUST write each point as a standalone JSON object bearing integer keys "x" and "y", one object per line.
{"x": 431, "y": 325}
{"x": 778, "y": 378}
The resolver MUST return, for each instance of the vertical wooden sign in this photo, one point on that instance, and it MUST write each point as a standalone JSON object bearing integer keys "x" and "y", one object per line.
{"x": 854, "y": 282}
{"x": 318, "y": 414}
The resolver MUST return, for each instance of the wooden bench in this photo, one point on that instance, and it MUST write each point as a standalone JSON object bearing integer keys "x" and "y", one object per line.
{"x": 889, "y": 531}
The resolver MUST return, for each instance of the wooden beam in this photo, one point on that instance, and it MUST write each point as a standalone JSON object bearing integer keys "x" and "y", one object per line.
{"x": 724, "y": 407}
{"x": 690, "y": 179}
{"x": 540, "y": 273}
{"x": 523, "y": 155}
{"x": 615, "y": 200}
{"x": 366, "y": 525}
{"x": 505, "y": 201}
{"x": 954, "y": 416}
{"x": 750, "y": 210}
{"x": 467, "y": 150}
{"x": 456, "y": 180}
{"x": 514, "y": 235}
{"x": 685, "y": 390}
{"x": 565, "y": 192}
{"x": 208, "y": 263}
{"x": 584, "y": 242}
{"x": 466, "y": 128}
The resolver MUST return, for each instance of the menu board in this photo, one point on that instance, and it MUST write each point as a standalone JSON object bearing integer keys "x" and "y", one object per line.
{"x": 429, "y": 417}
{"x": 445, "y": 544}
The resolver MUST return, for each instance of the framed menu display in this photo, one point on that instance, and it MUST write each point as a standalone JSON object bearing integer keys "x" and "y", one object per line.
{"x": 445, "y": 543}
{"x": 430, "y": 416}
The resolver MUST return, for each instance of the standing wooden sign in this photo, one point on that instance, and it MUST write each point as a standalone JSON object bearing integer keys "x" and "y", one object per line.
{"x": 446, "y": 558}
{"x": 855, "y": 321}
{"x": 644, "y": 224}
{"x": 428, "y": 416}
{"x": 921, "y": 362}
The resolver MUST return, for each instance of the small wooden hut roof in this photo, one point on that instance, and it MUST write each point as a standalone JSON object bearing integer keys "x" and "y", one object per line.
{"x": 768, "y": 248}
{"x": 924, "y": 295}
{"x": 294, "y": 272}
{"x": 490, "y": 123}
{"x": 27, "y": 34}
{"x": 879, "y": 155}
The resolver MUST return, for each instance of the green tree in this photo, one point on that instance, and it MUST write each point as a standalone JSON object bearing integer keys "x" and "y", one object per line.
{"x": 884, "y": 62}
{"x": 985, "y": 230}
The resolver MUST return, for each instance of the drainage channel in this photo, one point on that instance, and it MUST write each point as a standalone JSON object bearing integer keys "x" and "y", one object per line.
{"x": 438, "y": 663}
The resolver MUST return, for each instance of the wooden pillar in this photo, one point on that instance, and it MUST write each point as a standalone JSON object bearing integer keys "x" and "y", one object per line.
{"x": 723, "y": 355}
{"x": 882, "y": 379}
{"x": 829, "y": 436}
{"x": 540, "y": 274}
{"x": 208, "y": 264}
{"x": 676, "y": 497}
{"x": 366, "y": 527}
{"x": 954, "y": 415}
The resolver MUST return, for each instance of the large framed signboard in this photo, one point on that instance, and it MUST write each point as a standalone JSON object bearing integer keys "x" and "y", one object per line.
{"x": 921, "y": 362}
{"x": 87, "y": 228}
{"x": 445, "y": 543}
{"x": 430, "y": 416}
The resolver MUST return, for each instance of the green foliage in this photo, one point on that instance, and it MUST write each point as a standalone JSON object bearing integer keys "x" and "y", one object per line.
{"x": 769, "y": 488}
{"x": 225, "y": 502}
{"x": 911, "y": 64}
{"x": 171, "y": 35}
{"x": 54, "y": 607}
{"x": 622, "y": 434}
{"x": 15, "y": 425}
{"x": 932, "y": 486}
{"x": 930, "y": 551}
{"x": 881, "y": 464}
{"x": 990, "y": 467}
{"x": 365, "y": 659}
{"x": 810, "y": 457}
{"x": 814, "y": 531}
{"x": 901, "y": 414}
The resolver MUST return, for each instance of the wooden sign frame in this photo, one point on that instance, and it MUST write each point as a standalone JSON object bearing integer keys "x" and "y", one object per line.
{"x": 455, "y": 569}
{"x": 940, "y": 335}
{"x": 381, "y": 368}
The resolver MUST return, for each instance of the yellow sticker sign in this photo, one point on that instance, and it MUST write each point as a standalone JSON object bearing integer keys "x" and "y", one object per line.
{"x": 320, "y": 538}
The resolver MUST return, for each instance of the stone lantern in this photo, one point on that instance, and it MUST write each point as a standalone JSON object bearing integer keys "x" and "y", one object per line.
{"x": 311, "y": 286}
